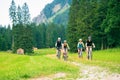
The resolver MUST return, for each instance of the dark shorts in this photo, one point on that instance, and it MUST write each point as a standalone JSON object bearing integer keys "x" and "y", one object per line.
{"x": 58, "y": 48}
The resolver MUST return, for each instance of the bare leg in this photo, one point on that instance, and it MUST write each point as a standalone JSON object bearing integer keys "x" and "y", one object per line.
{"x": 79, "y": 53}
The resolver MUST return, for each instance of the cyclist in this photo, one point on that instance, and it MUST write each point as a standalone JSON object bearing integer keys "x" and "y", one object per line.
{"x": 89, "y": 46}
{"x": 80, "y": 47}
{"x": 65, "y": 48}
{"x": 58, "y": 46}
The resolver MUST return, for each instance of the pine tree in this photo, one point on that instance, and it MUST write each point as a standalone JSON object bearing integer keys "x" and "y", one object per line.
{"x": 100, "y": 14}
{"x": 9, "y": 37}
{"x": 22, "y": 31}
{"x": 72, "y": 25}
{"x": 23, "y": 38}
{"x": 26, "y": 14}
{"x": 49, "y": 35}
{"x": 5, "y": 38}
{"x": 12, "y": 13}
{"x": 86, "y": 17}
{"x": 27, "y": 39}
{"x": 111, "y": 24}
{"x": 19, "y": 15}
{"x": 88, "y": 22}
{"x": 42, "y": 30}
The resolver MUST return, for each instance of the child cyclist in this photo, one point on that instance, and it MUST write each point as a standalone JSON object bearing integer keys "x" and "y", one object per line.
{"x": 80, "y": 47}
{"x": 65, "y": 48}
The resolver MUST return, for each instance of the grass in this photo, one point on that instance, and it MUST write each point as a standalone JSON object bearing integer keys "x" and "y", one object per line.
{"x": 20, "y": 67}
{"x": 109, "y": 59}
{"x": 44, "y": 62}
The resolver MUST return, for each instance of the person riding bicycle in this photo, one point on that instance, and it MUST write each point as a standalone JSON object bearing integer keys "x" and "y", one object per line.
{"x": 80, "y": 47}
{"x": 58, "y": 46}
{"x": 65, "y": 48}
{"x": 89, "y": 46}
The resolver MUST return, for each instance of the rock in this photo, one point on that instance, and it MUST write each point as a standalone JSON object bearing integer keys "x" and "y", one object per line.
{"x": 20, "y": 51}
{"x": 34, "y": 48}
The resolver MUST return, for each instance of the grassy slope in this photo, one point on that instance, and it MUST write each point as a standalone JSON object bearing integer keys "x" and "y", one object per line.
{"x": 44, "y": 62}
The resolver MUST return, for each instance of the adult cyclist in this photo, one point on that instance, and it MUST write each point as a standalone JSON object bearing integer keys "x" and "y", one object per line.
{"x": 80, "y": 47}
{"x": 89, "y": 46}
{"x": 58, "y": 46}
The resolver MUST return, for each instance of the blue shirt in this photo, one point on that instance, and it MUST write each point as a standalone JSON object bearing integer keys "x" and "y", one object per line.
{"x": 80, "y": 45}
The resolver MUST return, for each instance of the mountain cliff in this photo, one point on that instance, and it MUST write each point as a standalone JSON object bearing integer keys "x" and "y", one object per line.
{"x": 56, "y": 12}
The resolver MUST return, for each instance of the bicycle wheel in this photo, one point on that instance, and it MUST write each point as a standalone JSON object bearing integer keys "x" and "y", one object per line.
{"x": 90, "y": 55}
{"x": 65, "y": 56}
{"x": 59, "y": 54}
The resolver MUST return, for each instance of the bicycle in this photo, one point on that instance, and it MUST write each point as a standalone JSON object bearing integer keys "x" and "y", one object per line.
{"x": 65, "y": 56}
{"x": 80, "y": 52}
{"x": 58, "y": 53}
{"x": 89, "y": 49}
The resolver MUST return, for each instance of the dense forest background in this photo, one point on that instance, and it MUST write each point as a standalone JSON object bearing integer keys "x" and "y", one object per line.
{"x": 99, "y": 19}
{"x": 43, "y": 36}
{"x": 25, "y": 34}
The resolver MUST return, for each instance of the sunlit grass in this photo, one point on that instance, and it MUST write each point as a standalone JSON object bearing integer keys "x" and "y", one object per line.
{"x": 109, "y": 59}
{"x": 17, "y": 67}
{"x": 44, "y": 62}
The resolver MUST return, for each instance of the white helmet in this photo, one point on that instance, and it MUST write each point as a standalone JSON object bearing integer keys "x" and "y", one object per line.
{"x": 59, "y": 38}
{"x": 80, "y": 39}
{"x": 65, "y": 41}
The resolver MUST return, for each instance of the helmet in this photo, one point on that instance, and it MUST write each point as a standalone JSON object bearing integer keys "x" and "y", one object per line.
{"x": 65, "y": 41}
{"x": 89, "y": 38}
{"x": 59, "y": 38}
{"x": 80, "y": 39}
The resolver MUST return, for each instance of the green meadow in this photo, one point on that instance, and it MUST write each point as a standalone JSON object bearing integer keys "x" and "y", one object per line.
{"x": 44, "y": 62}
{"x": 18, "y": 67}
{"x": 109, "y": 59}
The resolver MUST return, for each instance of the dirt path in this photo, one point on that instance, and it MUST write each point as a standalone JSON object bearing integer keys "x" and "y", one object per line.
{"x": 86, "y": 73}
{"x": 51, "y": 77}
{"x": 95, "y": 73}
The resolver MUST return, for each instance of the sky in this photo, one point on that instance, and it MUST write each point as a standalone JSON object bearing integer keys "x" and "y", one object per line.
{"x": 35, "y": 6}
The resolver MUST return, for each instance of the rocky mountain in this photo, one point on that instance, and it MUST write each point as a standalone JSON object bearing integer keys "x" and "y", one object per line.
{"x": 56, "y": 12}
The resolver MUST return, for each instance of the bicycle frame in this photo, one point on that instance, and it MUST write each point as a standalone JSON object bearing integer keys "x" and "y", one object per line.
{"x": 89, "y": 49}
{"x": 80, "y": 52}
{"x": 58, "y": 53}
{"x": 65, "y": 54}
